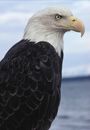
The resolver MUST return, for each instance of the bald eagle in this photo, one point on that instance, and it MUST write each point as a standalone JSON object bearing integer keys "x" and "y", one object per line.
{"x": 31, "y": 71}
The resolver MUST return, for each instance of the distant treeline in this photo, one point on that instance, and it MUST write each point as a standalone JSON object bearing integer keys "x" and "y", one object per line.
{"x": 76, "y": 78}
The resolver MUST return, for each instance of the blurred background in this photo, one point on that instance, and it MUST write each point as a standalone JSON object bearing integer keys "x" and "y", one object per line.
{"x": 74, "y": 111}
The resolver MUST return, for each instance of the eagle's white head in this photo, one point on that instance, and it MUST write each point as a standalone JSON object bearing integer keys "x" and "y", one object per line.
{"x": 50, "y": 25}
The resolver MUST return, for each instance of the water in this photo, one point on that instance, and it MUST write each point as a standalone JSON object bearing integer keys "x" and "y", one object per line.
{"x": 74, "y": 110}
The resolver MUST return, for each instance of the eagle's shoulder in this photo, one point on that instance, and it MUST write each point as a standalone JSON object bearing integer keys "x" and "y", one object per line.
{"x": 29, "y": 84}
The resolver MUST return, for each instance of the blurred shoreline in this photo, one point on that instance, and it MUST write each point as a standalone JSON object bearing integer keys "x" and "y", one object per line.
{"x": 76, "y": 78}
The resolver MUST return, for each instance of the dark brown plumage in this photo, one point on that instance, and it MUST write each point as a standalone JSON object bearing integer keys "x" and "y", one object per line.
{"x": 30, "y": 80}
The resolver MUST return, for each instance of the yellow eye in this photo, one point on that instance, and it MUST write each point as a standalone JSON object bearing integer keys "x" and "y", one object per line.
{"x": 57, "y": 16}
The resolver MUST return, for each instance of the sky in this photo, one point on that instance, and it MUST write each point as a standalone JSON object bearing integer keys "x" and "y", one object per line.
{"x": 14, "y": 15}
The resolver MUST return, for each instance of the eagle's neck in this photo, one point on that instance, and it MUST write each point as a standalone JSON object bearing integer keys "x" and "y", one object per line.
{"x": 40, "y": 33}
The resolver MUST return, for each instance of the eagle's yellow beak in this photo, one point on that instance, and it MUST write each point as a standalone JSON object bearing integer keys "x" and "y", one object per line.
{"x": 76, "y": 25}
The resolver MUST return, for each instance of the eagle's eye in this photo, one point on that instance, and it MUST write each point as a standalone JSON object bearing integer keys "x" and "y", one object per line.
{"x": 58, "y": 16}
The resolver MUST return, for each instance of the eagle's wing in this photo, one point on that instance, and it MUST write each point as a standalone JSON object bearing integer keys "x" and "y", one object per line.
{"x": 29, "y": 80}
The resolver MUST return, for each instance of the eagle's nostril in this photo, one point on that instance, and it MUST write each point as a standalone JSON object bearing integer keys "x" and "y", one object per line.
{"x": 73, "y": 20}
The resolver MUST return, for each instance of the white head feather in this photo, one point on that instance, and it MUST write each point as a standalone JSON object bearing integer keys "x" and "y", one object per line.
{"x": 44, "y": 27}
